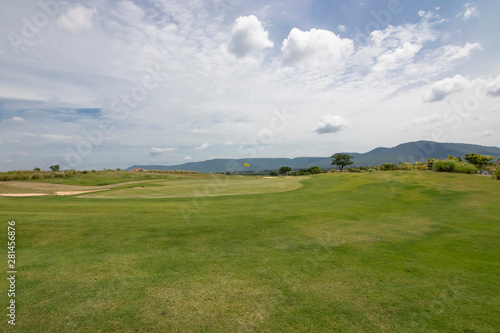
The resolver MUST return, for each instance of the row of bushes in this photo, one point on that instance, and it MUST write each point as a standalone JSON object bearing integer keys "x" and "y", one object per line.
{"x": 36, "y": 174}
{"x": 33, "y": 175}
{"x": 449, "y": 165}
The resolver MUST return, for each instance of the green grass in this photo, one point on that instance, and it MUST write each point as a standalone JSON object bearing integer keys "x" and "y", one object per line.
{"x": 92, "y": 178}
{"x": 372, "y": 252}
{"x": 214, "y": 186}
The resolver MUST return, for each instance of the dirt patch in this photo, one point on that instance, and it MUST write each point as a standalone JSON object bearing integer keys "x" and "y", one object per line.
{"x": 24, "y": 194}
{"x": 46, "y": 194}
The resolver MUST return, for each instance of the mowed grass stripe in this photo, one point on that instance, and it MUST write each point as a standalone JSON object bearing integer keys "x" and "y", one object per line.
{"x": 379, "y": 252}
{"x": 214, "y": 186}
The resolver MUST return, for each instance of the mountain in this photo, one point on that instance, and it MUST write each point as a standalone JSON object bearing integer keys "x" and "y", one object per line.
{"x": 406, "y": 152}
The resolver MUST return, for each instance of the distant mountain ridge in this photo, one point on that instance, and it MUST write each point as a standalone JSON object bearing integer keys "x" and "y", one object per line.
{"x": 406, "y": 152}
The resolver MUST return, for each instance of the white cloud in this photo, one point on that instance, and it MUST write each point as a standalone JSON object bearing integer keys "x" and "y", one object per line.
{"x": 17, "y": 119}
{"x": 77, "y": 18}
{"x": 488, "y": 133}
{"x": 315, "y": 47}
{"x": 494, "y": 88}
{"x": 248, "y": 36}
{"x": 187, "y": 158}
{"x": 394, "y": 58}
{"x": 443, "y": 88}
{"x": 423, "y": 121}
{"x": 470, "y": 11}
{"x": 203, "y": 146}
{"x": 341, "y": 28}
{"x": 454, "y": 52}
{"x": 56, "y": 137}
{"x": 155, "y": 151}
{"x": 331, "y": 124}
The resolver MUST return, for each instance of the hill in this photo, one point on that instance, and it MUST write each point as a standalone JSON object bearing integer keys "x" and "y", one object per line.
{"x": 406, "y": 152}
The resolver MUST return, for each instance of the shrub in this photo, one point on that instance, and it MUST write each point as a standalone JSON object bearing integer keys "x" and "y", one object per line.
{"x": 496, "y": 173}
{"x": 405, "y": 166}
{"x": 466, "y": 168}
{"x": 453, "y": 165}
{"x": 420, "y": 166}
{"x": 430, "y": 163}
{"x": 388, "y": 166}
{"x": 447, "y": 165}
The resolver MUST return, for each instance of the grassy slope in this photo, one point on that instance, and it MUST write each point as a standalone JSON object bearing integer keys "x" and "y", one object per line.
{"x": 380, "y": 252}
{"x": 208, "y": 186}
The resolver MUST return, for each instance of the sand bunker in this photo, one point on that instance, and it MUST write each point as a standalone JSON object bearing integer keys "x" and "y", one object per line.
{"x": 45, "y": 194}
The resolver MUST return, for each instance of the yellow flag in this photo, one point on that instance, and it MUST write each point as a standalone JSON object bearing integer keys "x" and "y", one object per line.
{"x": 246, "y": 164}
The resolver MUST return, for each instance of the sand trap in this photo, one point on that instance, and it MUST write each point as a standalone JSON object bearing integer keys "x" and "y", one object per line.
{"x": 23, "y": 194}
{"x": 45, "y": 194}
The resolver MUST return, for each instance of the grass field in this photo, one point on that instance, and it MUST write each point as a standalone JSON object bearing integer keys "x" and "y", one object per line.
{"x": 372, "y": 252}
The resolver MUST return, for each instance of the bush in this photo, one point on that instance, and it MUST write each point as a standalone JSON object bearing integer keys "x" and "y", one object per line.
{"x": 453, "y": 165}
{"x": 447, "y": 165}
{"x": 388, "y": 166}
{"x": 496, "y": 173}
{"x": 467, "y": 168}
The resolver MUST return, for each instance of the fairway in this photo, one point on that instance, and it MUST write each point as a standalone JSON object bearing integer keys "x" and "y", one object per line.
{"x": 211, "y": 186}
{"x": 372, "y": 252}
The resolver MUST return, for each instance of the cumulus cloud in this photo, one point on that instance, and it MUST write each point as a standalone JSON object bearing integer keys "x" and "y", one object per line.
{"x": 331, "y": 124}
{"x": 155, "y": 151}
{"x": 470, "y": 11}
{"x": 494, "y": 88}
{"x": 203, "y": 146}
{"x": 316, "y": 47}
{"x": 393, "y": 58}
{"x": 77, "y": 18}
{"x": 443, "y": 88}
{"x": 248, "y": 36}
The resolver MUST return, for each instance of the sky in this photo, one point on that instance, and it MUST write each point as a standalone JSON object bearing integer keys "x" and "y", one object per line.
{"x": 109, "y": 84}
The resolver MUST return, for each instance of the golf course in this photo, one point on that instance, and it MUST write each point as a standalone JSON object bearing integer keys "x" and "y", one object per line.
{"x": 393, "y": 251}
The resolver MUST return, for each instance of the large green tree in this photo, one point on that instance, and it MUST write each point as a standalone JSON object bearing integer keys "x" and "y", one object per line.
{"x": 284, "y": 170}
{"x": 480, "y": 161}
{"x": 341, "y": 160}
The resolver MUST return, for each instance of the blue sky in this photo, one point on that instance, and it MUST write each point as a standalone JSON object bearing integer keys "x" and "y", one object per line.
{"x": 108, "y": 84}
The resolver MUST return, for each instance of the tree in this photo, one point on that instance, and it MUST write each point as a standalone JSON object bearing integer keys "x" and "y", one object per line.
{"x": 341, "y": 160}
{"x": 284, "y": 170}
{"x": 54, "y": 167}
{"x": 480, "y": 161}
{"x": 314, "y": 170}
{"x": 36, "y": 169}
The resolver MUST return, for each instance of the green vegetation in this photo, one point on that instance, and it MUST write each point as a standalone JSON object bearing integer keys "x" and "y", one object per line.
{"x": 496, "y": 173}
{"x": 451, "y": 165}
{"x": 388, "y": 167}
{"x": 341, "y": 160}
{"x": 284, "y": 170}
{"x": 369, "y": 252}
{"x": 479, "y": 161}
{"x": 88, "y": 178}
{"x": 213, "y": 186}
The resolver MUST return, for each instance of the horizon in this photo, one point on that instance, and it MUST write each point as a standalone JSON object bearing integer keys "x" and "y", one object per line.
{"x": 105, "y": 84}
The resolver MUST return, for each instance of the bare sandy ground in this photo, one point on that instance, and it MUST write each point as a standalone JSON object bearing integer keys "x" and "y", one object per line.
{"x": 34, "y": 189}
{"x": 45, "y": 194}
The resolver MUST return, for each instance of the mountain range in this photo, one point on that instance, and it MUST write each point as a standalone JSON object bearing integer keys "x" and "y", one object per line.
{"x": 406, "y": 152}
